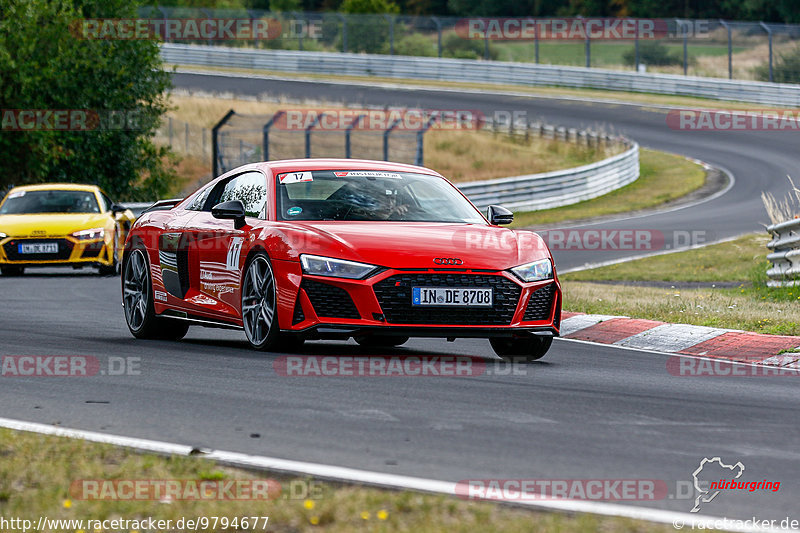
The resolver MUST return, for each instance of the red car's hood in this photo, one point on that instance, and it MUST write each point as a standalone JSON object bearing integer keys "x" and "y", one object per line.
{"x": 416, "y": 244}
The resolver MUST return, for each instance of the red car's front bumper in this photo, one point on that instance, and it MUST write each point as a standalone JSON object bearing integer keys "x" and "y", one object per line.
{"x": 338, "y": 308}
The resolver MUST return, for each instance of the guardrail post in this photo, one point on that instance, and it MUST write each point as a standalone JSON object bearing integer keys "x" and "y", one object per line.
{"x": 685, "y": 54}
{"x": 536, "y": 42}
{"x": 769, "y": 38}
{"x": 636, "y": 49}
{"x": 308, "y": 133}
{"x": 390, "y": 18}
{"x": 301, "y": 17}
{"x": 344, "y": 32}
{"x": 681, "y": 28}
{"x": 486, "y": 45}
{"x": 588, "y": 48}
{"x": 438, "y": 33}
{"x": 347, "y": 135}
{"x": 166, "y": 33}
{"x": 215, "y": 155}
{"x": 208, "y": 18}
{"x": 186, "y": 136}
{"x": 730, "y": 48}
{"x": 419, "y": 157}
{"x": 386, "y": 133}
{"x": 265, "y": 133}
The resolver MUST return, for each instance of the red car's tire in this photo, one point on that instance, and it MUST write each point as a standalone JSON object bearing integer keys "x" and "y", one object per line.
{"x": 260, "y": 304}
{"x": 137, "y": 301}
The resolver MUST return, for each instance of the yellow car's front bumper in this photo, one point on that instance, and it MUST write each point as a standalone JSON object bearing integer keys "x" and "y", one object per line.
{"x": 56, "y": 251}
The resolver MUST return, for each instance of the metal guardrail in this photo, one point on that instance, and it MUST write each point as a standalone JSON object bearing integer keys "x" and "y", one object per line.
{"x": 468, "y": 70}
{"x": 785, "y": 255}
{"x": 136, "y": 207}
{"x": 554, "y": 189}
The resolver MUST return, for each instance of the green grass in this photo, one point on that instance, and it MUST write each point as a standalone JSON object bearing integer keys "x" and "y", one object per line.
{"x": 604, "y": 54}
{"x": 663, "y": 177}
{"x": 36, "y": 473}
{"x": 729, "y": 261}
{"x": 751, "y": 306}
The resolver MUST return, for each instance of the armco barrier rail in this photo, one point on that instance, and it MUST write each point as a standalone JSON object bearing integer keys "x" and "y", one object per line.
{"x": 785, "y": 256}
{"x": 467, "y": 70}
{"x": 554, "y": 189}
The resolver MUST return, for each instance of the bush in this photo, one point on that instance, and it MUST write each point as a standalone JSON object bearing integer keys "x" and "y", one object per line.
{"x": 652, "y": 53}
{"x": 415, "y": 44}
{"x": 456, "y": 47}
{"x": 786, "y": 68}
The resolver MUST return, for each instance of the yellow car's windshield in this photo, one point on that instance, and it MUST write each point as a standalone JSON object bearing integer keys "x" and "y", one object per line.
{"x": 51, "y": 201}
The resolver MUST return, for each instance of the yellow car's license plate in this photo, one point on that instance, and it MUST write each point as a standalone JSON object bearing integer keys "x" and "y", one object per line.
{"x": 38, "y": 248}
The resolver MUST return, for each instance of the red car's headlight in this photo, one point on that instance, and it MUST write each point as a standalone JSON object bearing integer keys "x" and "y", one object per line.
{"x": 536, "y": 271}
{"x": 335, "y": 268}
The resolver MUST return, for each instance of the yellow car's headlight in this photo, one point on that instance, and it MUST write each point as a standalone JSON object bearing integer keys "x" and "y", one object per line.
{"x": 90, "y": 234}
{"x": 3, "y": 235}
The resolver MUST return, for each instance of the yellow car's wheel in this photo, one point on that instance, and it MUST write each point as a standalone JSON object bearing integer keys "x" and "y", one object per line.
{"x": 113, "y": 268}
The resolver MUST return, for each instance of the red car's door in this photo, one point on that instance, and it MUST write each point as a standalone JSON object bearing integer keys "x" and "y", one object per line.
{"x": 218, "y": 249}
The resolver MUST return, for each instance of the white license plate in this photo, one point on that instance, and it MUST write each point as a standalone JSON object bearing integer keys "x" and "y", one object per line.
{"x": 451, "y": 296}
{"x": 38, "y": 248}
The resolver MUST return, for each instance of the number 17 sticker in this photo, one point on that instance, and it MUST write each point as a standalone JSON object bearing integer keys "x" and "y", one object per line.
{"x": 234, "y": 251}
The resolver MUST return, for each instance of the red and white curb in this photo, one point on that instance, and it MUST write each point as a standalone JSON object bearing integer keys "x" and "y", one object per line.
{"x": 652, "y": 335}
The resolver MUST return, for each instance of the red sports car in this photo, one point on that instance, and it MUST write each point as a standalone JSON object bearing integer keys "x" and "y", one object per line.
{"x": 338, "y": 248}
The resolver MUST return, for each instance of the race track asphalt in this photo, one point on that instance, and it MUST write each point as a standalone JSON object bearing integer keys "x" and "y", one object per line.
{"x": 583, "y": 412}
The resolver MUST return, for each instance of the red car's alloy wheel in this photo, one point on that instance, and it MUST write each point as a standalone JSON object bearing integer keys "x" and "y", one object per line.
{"x": 258, "y": 303}
{"x": 136, "y": 290}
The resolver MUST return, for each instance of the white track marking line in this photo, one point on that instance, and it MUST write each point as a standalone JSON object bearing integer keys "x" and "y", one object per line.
{"x": 393, "y": 481}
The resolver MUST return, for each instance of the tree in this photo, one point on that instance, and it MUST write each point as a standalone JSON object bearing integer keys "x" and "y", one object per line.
{"x": 46, "y": 65}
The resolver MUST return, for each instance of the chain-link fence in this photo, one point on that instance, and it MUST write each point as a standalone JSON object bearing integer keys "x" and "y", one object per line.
{"x": 334, "y": 133}
{"x": 184, "y": 138}
{"x": 714, "y": 48}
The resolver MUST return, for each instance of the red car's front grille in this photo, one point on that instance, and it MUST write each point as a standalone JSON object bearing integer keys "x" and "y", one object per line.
{"x": 330, "y": 301}
{"x": 540, "y": 304}
{"x": 394, "y": 296}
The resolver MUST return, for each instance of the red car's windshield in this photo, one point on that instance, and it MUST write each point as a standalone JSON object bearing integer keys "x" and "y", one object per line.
{"x": 371, "y": 195}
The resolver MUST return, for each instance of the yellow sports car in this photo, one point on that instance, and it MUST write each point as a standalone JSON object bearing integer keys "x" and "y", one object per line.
{"x": 61, "y": 224}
